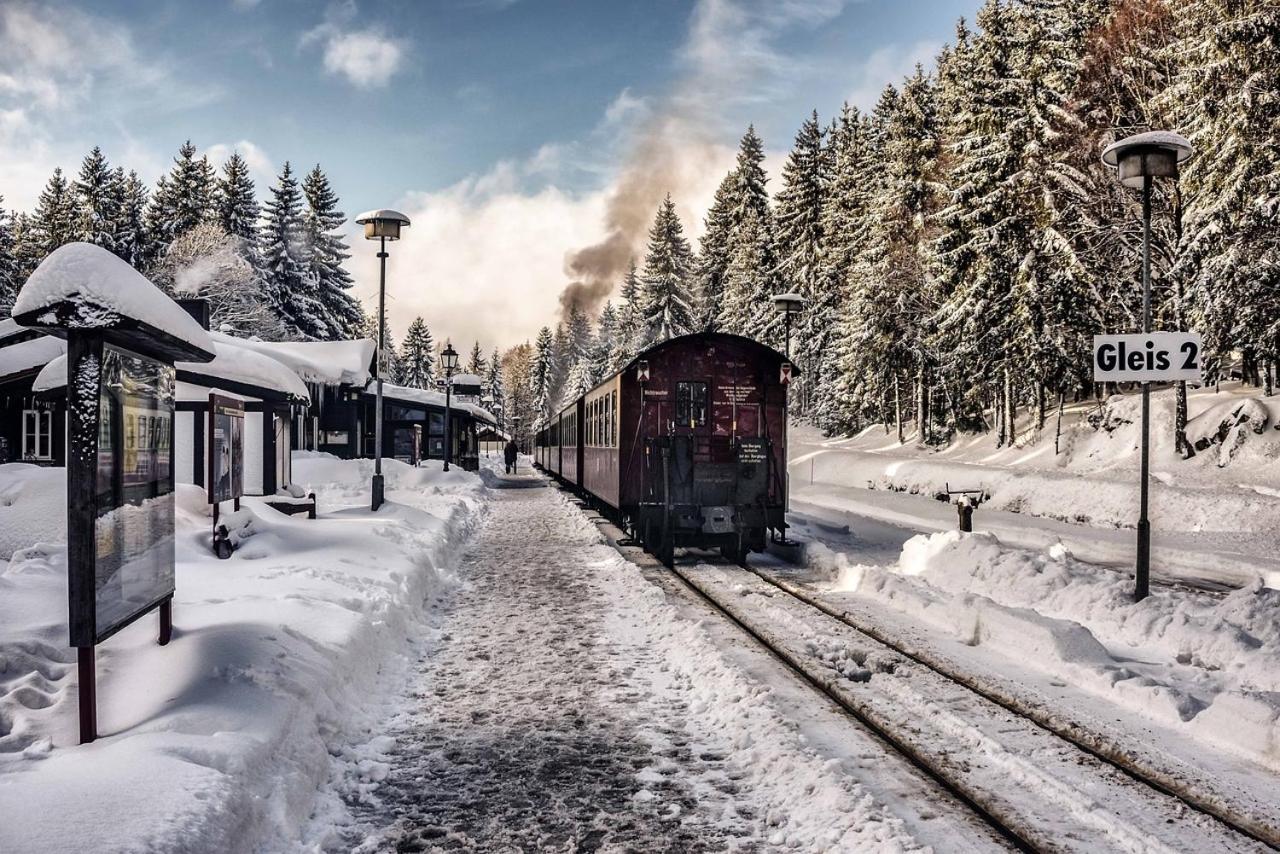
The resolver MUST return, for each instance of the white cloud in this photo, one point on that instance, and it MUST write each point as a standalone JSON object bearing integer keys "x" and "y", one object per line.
{"x": 889, "y": 64}
{"x": 367, "y": 58}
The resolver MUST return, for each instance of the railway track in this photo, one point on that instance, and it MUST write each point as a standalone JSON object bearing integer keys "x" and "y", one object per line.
{"x": 1048, "y": 791}
{"x": 1039, "y": 786}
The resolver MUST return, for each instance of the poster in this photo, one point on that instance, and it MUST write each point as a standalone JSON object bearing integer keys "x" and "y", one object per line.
{"x": 226, "y": 448}
{"x": 133, "y": 529}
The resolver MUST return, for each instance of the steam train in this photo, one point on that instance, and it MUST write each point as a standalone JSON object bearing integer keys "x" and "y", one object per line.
{"x": 685, "y": 446}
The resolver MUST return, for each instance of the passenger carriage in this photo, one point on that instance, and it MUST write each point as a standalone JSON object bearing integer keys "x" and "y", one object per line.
{"x": 686, "y": 445}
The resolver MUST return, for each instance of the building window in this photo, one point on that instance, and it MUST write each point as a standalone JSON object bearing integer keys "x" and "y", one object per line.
{"x": 37, "y": 434}
{"x": 691, "y": 404}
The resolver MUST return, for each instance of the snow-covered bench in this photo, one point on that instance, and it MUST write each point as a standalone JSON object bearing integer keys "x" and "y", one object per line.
{"x": 292, "y": 499}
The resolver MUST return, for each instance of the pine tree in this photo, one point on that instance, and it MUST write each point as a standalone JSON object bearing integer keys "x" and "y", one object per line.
{"x": 476, "y": 363}
{"x": 630, "y": 320}
{"x": 604, "y": 344}
{"x": 667, "y": 271}
{"x": 494, "y": 389}
{"x": 417, "y": 356}
{"x": 9, "y": 283}
{"x": 750, "y": 233}
{"x": 799, "y": 239}
{"x": 340, "y": 313}
{"x": 132, "y": 243}
{"x": 28, "y": 246}
{"x": 713, "y": 255}
{"x": 540, "y": 378}
{"x": 235, "y": 201}
{"x": 182, "y": 199}
{"x": 290, "y": 283}
{"x": 99, "y": 198}
{"x": 56, "y": 215}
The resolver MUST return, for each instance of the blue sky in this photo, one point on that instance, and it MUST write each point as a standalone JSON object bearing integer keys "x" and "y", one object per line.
{"x": 503, "y": 127}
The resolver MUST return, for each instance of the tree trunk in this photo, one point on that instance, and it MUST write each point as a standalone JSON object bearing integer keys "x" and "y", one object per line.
{"x": 997, "y": 413}
{"x": 1010, "y": 408}
{"x": 922, "y": 404}
{"x": 1268, "y": 378}
{"x": 897, "y": 407}
{"x": 1057, "y": 433}
{"x": 1040, "y": 406}
{"x": 1180, "y": 422}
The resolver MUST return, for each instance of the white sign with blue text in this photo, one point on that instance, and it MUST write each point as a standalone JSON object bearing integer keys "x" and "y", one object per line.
{"x": 1147, "y": 357}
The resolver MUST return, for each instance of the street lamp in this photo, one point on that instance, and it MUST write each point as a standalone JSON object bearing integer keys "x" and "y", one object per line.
{"x": 789, "y": 303}
{"x": 381, "y": 225}
{"x": 449, "y": 364}
{"x": 1138, "y": 159}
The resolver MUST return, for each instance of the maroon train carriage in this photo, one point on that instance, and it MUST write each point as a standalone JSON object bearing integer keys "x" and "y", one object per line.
{"x": 686, "y": 445}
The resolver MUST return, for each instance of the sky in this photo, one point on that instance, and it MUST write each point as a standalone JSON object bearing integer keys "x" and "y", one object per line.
{"x": 513, "y": 133}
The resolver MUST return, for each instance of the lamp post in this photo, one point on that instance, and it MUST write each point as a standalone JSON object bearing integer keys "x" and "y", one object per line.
{"x": 789, "y": 303}
{"x": 449, "y": 364}
{"x": 1138, "y": 159}
{"x": 381, "y": 225}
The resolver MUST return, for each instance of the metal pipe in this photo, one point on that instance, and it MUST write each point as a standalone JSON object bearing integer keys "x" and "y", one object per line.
{"x": 1142, "y": 583}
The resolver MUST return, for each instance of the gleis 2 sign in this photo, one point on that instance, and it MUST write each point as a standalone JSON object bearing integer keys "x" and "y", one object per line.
{"x": 1149, "y": 357}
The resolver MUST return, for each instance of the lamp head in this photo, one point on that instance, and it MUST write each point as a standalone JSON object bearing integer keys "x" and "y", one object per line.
{"x": 1154, "y": 154}
{"x": 789, "y": 303}
{"x": 449, "y": 358}
{"x": 382, "y": 224}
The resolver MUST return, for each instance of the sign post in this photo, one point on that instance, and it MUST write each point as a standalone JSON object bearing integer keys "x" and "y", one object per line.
{"x": 123, "y": 337}
{"x": 1146, "y": 358}
{"x": 226, "y": 462}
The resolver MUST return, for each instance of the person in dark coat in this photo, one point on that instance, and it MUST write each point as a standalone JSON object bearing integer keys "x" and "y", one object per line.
{"x": 509, "y": 455}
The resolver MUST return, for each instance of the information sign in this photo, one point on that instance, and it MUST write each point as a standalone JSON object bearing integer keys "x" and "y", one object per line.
{"x": 1149, "y": 357}
{"x": 226, "y": 448}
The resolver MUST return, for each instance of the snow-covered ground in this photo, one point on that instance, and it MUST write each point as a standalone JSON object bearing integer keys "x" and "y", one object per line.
{"x": 1037, "y": 603}
{"x": 218, "y": 741}
{"x": 1214, "y": 516}
{"x": 562, "y": 703}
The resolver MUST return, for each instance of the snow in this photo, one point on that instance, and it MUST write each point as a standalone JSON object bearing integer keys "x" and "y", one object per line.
{"x": 28, "y": 355}
{"x": 322, "y": 362}
{"x": 232, "y": 362}
{"x": 104, "y": 288}
{"x": 1213, "y": 516}
{"x": 431, "y": 398}
{"x": 217, "y": 741}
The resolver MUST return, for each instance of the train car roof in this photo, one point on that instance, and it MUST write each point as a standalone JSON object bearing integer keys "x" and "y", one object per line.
{"x": 708, "y": 337}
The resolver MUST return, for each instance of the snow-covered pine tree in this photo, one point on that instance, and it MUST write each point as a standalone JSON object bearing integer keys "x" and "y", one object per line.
{"x": 286, "y": 263}
{"x": 131, "y": 240}
{"x": 494, "y": 389}
{"x": 181, "y": 199}
{"x": 748, "y": 280}
{"x": 418, "y": 356}
{"x": 235, "y": 200}
{"x": 99, "y": 199}
{"x": 561, "y": 362}
{"x": 578, "y": 336}
{"x": 1226, "y": 99}
{"x": 476, "y": 363}
{"x": 847, "y": 224}
{"x": 749, "y": 202}
{"x": 668, "y": 267}
{"x": 392, "y": 365}
{"x": 713, "y": 255}
{"x": 604, "y": 343}
{"x": 799, "y": 240}
{"x": 28, "y": 246}
{"x": 56, "y": 214}
{"x": 630, "y": 320}
{"x": 9, "y": 283}
{"x": 540, "y": 376}
{"x": 326, "y": 252}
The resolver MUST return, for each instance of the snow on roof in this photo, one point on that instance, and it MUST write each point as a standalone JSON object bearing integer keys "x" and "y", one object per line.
{"x": 431, "y": 398}
{"x": 232, "y": 363}
{"x": 104, "y": 290}
{"x": 467, "y": 379}
{"x": 26, "y": 355}
{"x": 323, "y": 362}
{"x": 9, "y": 328}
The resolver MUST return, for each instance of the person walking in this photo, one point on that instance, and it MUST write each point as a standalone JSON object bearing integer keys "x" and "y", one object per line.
{"x": 509, "y": 455}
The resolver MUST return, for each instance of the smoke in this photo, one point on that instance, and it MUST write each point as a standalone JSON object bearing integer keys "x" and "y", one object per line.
{"x": 683, "y": 146}
{"x": 190, "y": 279}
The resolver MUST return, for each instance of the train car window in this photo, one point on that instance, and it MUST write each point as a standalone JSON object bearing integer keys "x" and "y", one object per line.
{"x": 691, "y": 404}
{"x": 613, "y": 417}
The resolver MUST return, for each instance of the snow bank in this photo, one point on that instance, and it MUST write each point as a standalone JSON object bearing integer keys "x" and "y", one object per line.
{"x": 33, "y": 507}
{"x": 218, "y": 741}
{"x": 1207, "y": 666}
{"x": 322, "y": 362}
{"x": 104, "y": 289}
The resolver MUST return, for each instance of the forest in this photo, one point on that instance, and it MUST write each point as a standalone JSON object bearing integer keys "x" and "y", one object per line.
{"x": 960, "y": 244}
{"x": 957, "y": 246}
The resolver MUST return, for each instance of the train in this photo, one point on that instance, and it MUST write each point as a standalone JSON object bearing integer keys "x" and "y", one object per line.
{"x": 684, "y": 447}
